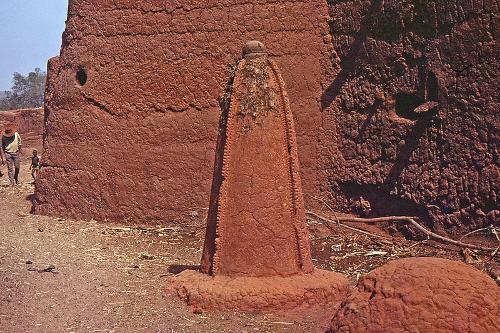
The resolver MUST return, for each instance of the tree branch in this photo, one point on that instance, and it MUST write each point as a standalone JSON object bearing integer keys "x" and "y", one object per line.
{"x": 408, "y": 219}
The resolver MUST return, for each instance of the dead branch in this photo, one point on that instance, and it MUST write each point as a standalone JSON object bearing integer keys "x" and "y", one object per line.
{"x": 376, "y": 219}
{"x": 476, "y": 231}
{"x": 345, "y": 226}
{"x": 326, "y": 204}
{"x": 412, "y": 221}
{"x": 446, "y": 239}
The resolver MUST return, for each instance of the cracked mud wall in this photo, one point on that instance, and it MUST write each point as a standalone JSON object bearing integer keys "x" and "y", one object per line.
{"x": 132, "y": 107}
{"x": 411, "y": 117}
{"x": 256, "y": 221}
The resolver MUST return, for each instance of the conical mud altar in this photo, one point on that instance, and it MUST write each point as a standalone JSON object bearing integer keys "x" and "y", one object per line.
{"x": 257, "y": 253}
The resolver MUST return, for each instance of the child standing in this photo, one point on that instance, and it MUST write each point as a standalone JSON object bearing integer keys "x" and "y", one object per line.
{"x": 35, "y": 164}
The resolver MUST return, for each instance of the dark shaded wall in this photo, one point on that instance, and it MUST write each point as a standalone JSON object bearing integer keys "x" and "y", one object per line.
{"x": 411, "y": 117}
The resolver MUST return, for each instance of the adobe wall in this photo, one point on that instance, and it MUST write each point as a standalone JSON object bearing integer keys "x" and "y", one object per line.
{"x": 395, "y": 104}
{"x": 132, "y": 106}
{"x": 29, "y": 124}
{"x": 386, "y": 143}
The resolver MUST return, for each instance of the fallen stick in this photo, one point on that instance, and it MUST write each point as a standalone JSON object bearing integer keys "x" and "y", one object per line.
{"x": 448, "y": 240}
{"x": 376, "y": 219}
{"x": 412, "y": 221}
{"x": 326, "y": 204}
{"x": 345, "y": 226}
{"x": 356, "y": 219}
{"x": 490, "y": 228}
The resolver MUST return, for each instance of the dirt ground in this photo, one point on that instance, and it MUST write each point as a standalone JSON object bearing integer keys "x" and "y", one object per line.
{"x": 58, "y": 275}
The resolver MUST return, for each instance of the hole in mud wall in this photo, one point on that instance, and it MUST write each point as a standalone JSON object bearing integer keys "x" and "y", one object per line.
{"x": 406, "y": 105}
{"x": 81, "y": 76}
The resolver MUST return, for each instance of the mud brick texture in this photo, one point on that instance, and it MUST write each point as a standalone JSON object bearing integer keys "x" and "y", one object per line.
{"x": 133, "y": 100}
{"x": 421, "y": 295}
{"x": 411, "y": 117}
{"x": 395, "y": 105}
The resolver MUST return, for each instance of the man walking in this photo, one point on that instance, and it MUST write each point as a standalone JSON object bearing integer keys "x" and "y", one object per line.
{"x": 10, "y": 152}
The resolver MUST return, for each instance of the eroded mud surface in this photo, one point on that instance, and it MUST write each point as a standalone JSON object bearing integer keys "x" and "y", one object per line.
{"x": 421, "y": 294}
{"x": 135, "y": 97}
{"x": 411, "y": 116}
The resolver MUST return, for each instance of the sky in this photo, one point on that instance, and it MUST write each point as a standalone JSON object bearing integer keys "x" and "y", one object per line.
{"x": 30, "y": 34}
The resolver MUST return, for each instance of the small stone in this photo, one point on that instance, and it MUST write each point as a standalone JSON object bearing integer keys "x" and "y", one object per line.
{"x": 49, "y": 269}
{"x": 426, "y": 107}
{"x": 146, "y": 256}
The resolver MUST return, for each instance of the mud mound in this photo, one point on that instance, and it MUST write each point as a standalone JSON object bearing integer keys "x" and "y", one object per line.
{"x": 257, "y": 294}
{"x": 421, "y": 295}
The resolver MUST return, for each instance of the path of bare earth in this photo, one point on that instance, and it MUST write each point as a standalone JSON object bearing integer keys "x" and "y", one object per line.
{"x": 112, "y": 278}
{"x": 107, "y": 277}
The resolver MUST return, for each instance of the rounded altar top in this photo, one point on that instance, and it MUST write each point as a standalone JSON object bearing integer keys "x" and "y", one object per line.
{"x": 254, "y": 48}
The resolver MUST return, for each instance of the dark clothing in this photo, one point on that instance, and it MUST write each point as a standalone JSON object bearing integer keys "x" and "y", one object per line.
{"x": 6, "y": 141}
{"x": 35, "y": 165}
{"x": 35, "y": 162}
